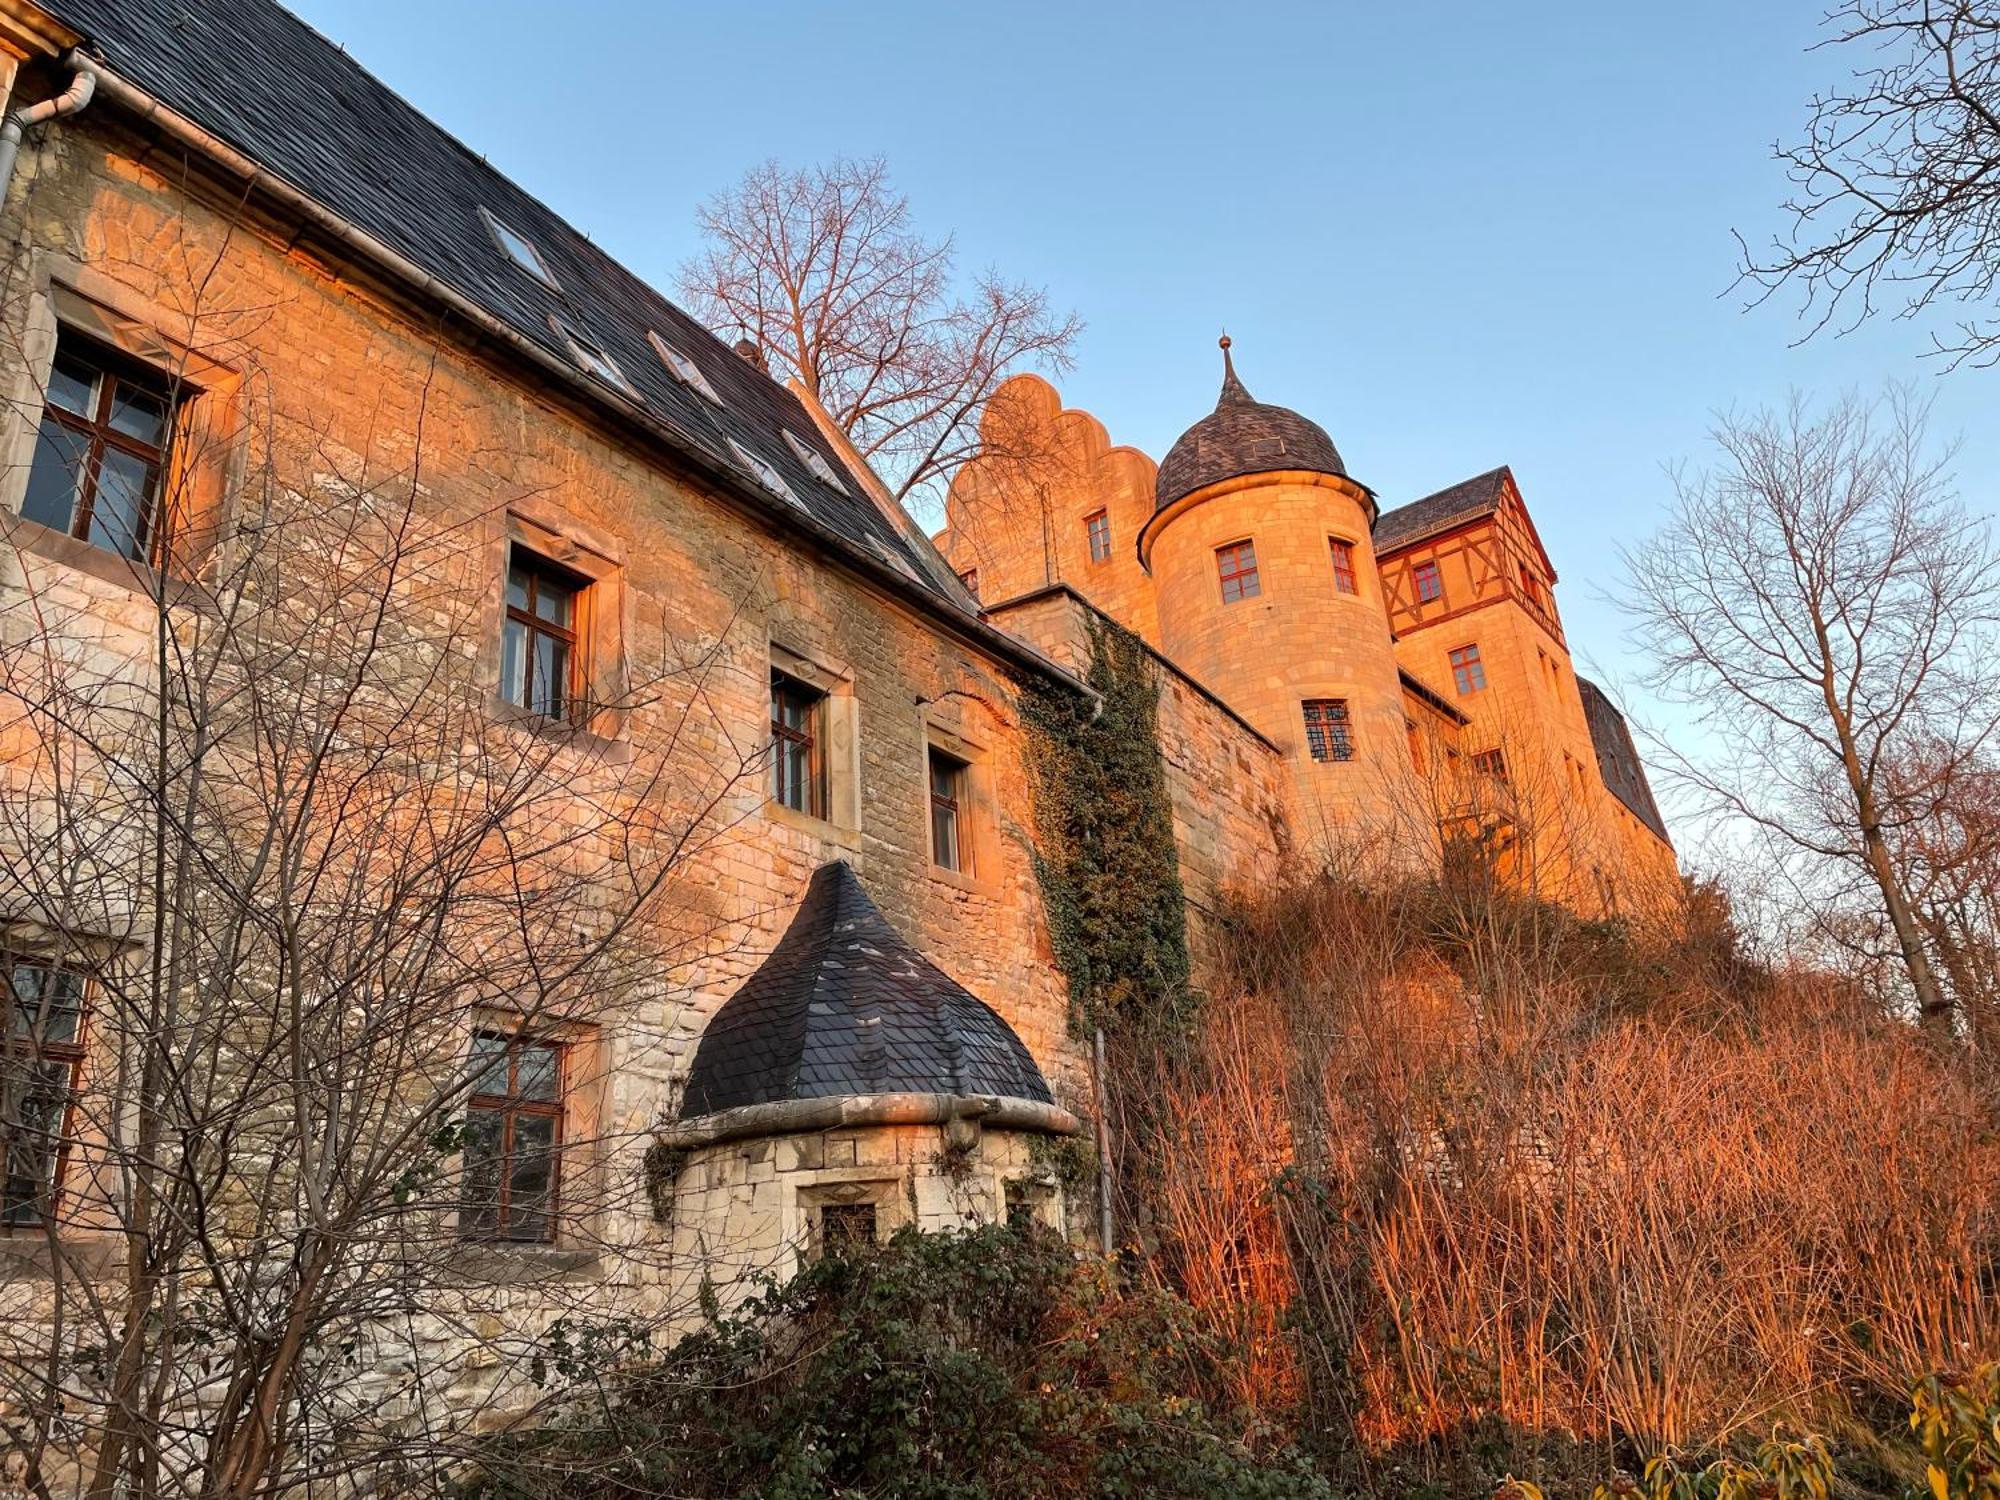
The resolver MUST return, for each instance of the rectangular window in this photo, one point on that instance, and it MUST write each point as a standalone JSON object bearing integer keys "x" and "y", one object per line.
{"x": 107, "y": 424}
{"x": 38, "y": 1082}
{"x": 948, "y": 778}
{"x": 1467, "y": 670}
{"x": 1343, "y": 566}
{"x": 1430, "y": 583}
{"x": 1097, "y": 526}
{"x": 540, "y": 663}
{"x": 513, "y": 1135}
{"x": 846, "y": 1227}
{"x": 1328, "y": 735}
{"x": 1237, "y": 566}
{"x": 798, "y": 737}
{"x": 1491, "y": 763}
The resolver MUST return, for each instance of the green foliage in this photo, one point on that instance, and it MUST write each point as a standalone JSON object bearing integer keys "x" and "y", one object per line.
{"x": 1783, "y": 1469}
{"x": 986, "y": 1363}
{"x": 1956, "y": 1419}
{"x": 1105, "y": 855}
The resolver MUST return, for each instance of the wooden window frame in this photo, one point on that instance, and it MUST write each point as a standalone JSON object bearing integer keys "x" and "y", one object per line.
{"x": 1345, "y": 579}
{"x": 817, "y": 799}
{"x": 1329, "y": 730}
{"x": 31, "y": 1053}
{"x": 1233, "y": 574}
{"x": 1428, "y": 580}
{"x": 1468, "y": 671}
{"x": 1491, "y": 763}
{"x": 575, "y": 637}
{"x": 113, "y": 368}
{"x": 508, "y": 1106}
{"x": 952, "y": 806}
{"x": 1097, "y": 531}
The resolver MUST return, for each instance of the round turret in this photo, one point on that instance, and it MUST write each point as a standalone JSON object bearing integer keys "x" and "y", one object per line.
{"x": 1260, "y": 553}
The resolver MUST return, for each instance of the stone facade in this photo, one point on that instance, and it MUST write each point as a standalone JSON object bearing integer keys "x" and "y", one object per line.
{"x": 317, "y": 373}
{"x": 310, "y": 378}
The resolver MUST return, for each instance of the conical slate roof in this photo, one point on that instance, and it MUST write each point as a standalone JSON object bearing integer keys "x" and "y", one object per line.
{"x": 843, "y": 1008}
{"x": 1242, "y": 436}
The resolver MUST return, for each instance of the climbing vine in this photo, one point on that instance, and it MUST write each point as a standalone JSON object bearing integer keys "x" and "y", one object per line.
{"x": 1104, "y": 848}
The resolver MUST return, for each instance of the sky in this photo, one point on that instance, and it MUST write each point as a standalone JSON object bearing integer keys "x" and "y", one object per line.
{"x": 1454, "y": 234}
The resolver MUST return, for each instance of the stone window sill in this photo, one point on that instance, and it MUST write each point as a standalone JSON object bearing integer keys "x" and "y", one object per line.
{"x": 497, "y": 1263}
{"x": 821, "y": 828}
{"x": 30, "y": 1255}
{"x": 614, "y": 750}
{"x": 958, "y": 880}
{"x": 98, "y": 562}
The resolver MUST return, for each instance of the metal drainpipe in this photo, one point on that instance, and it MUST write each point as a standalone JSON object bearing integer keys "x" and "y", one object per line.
{"x": 82, "y": 88}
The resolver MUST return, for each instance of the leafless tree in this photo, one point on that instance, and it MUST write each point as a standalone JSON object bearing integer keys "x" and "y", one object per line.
{"x": 823, "y": 270}
{"x": 286, "y": 895}
{"x": 1896, "y": 180}
{"x": 1826, "y": 609}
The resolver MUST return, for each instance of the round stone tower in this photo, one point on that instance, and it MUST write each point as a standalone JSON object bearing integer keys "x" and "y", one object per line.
{"x": 1260, "y": 552}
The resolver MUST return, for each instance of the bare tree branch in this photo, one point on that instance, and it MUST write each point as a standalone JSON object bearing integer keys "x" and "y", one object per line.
{"x": 822, "y": 269}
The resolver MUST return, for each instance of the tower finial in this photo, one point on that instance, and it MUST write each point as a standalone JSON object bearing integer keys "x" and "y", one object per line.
{"x": 1232, "y": 388}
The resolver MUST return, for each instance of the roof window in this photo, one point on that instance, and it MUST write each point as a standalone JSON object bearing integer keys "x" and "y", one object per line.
{"x": 767, "y": 476}
{"x": 813, "y": 459}
{"x": 519, "y": 249}
{"x": 589, "y": 355}
{"x": 683, "y": 369}
{"x": 893, "y": 558}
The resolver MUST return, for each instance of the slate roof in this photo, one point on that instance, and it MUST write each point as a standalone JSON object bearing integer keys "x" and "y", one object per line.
{"x": 260, "y": 79}
{"x": 845, "y": 1007}
{"x": 1242, "y": 436}
{"x": 1617, "y": 759}
{"x": 1469, "y": 498}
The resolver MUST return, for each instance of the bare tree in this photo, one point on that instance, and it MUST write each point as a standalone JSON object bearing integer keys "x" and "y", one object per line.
{"x": 1826, "y": 609}
{"x": 1897, "y": 177}
{"x": 297, "y": 922}
{"x": 822, "y": 269}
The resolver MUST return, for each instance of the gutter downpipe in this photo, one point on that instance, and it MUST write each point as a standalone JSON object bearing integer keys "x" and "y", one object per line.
{"x": 72, "y": 100}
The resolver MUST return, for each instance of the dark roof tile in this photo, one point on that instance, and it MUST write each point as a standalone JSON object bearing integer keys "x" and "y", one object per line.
{"x": 1449, "y": 507}
{"x": 262, "y": 80}
{"x": 1242, "y": 436}
{"x": 1617, "y": 759}
{"x": 845, "y": 1007}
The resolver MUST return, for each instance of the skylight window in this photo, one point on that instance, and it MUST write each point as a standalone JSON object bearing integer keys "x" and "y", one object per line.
{"x": 519, "y": 249}
{"x": 767, "y": 476}
{"x": 589, "y": 355}
{"x": 683, "y": 369}
{"x": 894, "y": 559}
{"x": 813, "y": 459}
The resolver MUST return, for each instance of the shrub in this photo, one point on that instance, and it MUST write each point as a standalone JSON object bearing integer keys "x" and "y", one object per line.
{"x": 949, "y": 1366}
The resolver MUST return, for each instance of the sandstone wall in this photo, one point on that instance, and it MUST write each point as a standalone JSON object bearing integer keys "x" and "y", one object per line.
{"x": 336, "y": 394}
{"x": 1230, "y": 789}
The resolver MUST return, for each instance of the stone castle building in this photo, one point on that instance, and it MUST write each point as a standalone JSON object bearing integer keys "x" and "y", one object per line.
{"x": 242, "y": 279}
{"x": 1399, "y": 678}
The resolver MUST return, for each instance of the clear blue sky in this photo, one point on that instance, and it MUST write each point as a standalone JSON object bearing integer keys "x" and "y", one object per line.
{"x": 1455, "y": 234}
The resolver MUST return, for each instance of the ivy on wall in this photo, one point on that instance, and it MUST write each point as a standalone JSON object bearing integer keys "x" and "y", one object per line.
{"x": 1104, "y": 848}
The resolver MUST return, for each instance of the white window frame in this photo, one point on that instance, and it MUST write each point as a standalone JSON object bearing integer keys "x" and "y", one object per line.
{"x": 590, "y": 356}
{"x": 681, "y": 367}
{"x": 518, "y": 248}
{"x": 761, "y": 470}
{"x": 813, "y": 459}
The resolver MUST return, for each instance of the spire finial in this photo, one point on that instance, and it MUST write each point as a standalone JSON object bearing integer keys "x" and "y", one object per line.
{"x": 1232, "y": 388}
